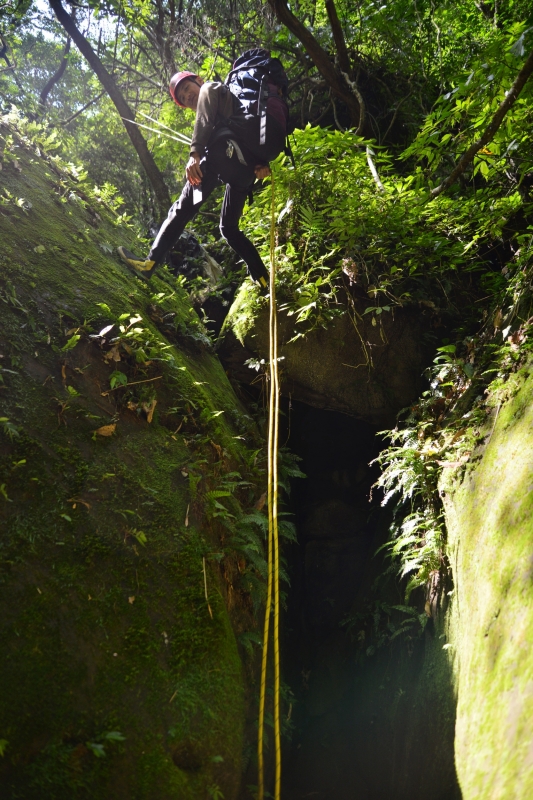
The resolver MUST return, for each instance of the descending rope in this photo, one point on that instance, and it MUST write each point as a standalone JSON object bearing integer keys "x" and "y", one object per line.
{"x": 273, "y": 542}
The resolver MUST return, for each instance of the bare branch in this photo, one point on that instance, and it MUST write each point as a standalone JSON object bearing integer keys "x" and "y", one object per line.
{"x": 469, "y": 155}
{"x": 320, "y": 58}
{"x": 147, "y": 78}
{"x": 362, "y": 107}
{"x": 373, "y": 169}
{"x": 81, "y": 110}
{"x": 338, "y": 36}
{"x": 58, "y": 74}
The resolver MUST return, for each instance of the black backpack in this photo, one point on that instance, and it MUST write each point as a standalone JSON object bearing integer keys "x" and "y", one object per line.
{"x": 254, "y": 78}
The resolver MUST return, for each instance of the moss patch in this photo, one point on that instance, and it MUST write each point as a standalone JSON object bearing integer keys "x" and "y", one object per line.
{"x": 116, "y": 681}
{"x": 489, "y": 516}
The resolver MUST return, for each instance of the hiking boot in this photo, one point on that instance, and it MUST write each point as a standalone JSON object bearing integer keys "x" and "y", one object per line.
{"x": 139, "y": 266}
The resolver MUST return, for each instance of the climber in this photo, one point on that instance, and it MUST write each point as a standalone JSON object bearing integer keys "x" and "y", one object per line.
{"x": 240, "y": 126}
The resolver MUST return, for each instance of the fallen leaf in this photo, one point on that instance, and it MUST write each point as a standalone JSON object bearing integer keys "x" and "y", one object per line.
{"x": 149, "y": 409}
{"x": 106, "y": 430}
{"x": 261, "y": 502}
{"x": 113, "y": 354}
{"x": 131, "y": 599}
{"x": 77, "y": 500}
{"x": 64, "y": 372}
{"x": 187, "y": 518}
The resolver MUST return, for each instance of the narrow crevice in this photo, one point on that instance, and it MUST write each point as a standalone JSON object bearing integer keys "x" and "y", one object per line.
{"x": 372, "y": 715}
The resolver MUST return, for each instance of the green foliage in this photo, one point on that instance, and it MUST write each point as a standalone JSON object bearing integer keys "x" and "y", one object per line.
{"x": 10, "y": 430}
{"x": 379, "y": 623}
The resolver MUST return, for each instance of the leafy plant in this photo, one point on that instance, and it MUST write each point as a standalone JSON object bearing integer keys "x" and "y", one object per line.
{"x": 9, "y": 428}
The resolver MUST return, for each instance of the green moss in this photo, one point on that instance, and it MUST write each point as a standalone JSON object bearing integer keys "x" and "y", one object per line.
{"x": 242, "y": 315}
{"x": 104, "y": 625}
{"x": 489, "y": 513}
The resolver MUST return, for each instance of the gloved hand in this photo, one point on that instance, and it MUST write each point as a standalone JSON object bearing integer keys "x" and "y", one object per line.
{"x": 193, "y": 171}
{"x": 262, "y": 171}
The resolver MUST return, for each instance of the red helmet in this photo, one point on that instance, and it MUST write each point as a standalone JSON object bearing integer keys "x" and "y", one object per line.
{"x": 175, "y": 81}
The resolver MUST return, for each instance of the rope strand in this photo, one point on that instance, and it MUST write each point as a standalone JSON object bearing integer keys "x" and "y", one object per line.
{"x": 273, "y": 539}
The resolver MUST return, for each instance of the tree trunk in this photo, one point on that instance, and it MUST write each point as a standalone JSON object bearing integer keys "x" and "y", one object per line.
{"x": 320, "y": 57}
{"x": 108, "y": 82}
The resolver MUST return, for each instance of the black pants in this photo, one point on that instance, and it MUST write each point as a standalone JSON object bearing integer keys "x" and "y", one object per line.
{"x": 217, "y": 169}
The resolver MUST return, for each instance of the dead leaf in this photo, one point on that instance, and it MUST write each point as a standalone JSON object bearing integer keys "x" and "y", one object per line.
{"x": 77, "y": 500}
{"x": 217, "y": 448}
{"x": 187, "y": 518}
{"x": 131, "y": 599}
{"x": 64, "y": 372}
{"x": 149, "y": 409}
{"x": 106, "y": 430}
{"x": 498, "y": 317}
{"x": 261, "y": 502}
{"x": 132, "y": 406}
{"x": 113, "y": 354}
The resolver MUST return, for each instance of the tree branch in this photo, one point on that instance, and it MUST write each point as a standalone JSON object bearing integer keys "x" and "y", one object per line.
{"x": 108, "y": 82}
{"x": 469, "y": 155}
{"x": 320, "y": 58}
{"x": 362, "y": 107}
{"x": 338, "y": 36}
{"x": 81, "y": 110}
{"x": 58, "y": 74}
{"x": 147, "y": 78}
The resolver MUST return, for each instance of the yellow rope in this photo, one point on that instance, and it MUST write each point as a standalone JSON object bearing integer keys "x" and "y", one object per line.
{"x": 273, "y": 539}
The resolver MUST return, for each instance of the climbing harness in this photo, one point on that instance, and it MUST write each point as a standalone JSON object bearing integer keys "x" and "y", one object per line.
{"x": 273, "y": 539}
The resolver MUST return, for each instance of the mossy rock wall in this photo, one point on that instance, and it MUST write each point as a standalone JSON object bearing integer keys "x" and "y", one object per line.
{"x": 369, "y": 371}
{"x": 489, "y": 514}
{"x": 119, "y": 679}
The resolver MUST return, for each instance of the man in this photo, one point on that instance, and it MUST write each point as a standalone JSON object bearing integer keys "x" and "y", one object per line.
{"x": 219, "y": 154}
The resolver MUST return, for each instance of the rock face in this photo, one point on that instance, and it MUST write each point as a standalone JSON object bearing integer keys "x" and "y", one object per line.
{"x": 368, "y": 371}
{"x": 119, "y": 678}
{"x": 489, "y": 514}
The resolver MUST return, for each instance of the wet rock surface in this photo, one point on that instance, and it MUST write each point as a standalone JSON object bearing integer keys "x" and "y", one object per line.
{"x": 353, "y": 366}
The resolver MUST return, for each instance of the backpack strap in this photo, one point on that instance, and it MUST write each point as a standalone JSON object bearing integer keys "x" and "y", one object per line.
{"x": 262, "y": 108}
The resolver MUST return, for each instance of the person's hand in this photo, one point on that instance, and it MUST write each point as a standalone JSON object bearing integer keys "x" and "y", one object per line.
{"x": 193, "y": 171}
{"x": 262, "y": 171}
